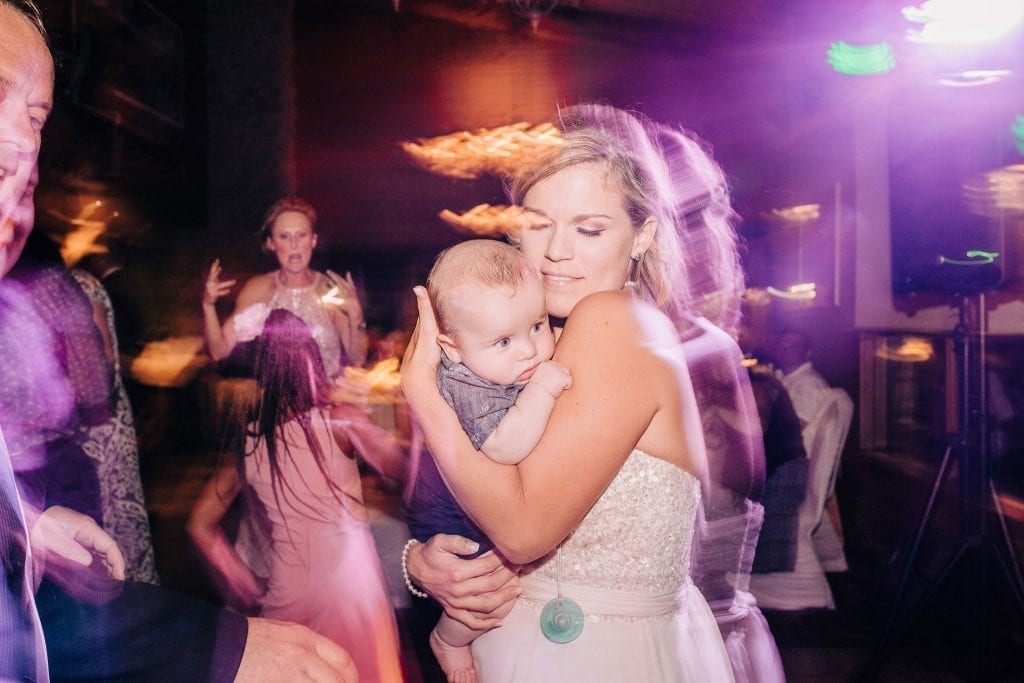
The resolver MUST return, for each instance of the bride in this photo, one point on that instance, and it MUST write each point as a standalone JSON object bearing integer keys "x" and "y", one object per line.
{"x": 601, "y": 514}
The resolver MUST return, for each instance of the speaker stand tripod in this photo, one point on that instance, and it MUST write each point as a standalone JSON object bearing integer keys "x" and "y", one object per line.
{"x": 976, "y": 541}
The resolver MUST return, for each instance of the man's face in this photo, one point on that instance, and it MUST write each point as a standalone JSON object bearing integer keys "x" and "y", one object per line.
{"x": 26, "y": 97}
{"x": 791, "y": 351}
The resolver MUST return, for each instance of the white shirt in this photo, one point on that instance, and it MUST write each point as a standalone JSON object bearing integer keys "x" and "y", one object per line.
{"x": 805, "y": 388}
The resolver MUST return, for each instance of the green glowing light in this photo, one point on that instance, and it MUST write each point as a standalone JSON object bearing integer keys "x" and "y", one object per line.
{"x": 861, "y": 60}
{"x": 1018, "y": 133}
{"x": 980, "y": 257}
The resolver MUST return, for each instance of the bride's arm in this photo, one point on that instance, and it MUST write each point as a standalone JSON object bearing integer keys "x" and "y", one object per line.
{"x": 529, "y": 508}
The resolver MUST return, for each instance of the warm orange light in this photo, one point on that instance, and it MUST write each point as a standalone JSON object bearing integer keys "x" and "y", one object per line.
{"x": 85, "y": 230}
{"x": 498, "y": 151}
{"x": 907, "y": 350}
{"x": 486, "y": 220}
{"x": 803, "y": 213}
{"x": 171, "y": 362}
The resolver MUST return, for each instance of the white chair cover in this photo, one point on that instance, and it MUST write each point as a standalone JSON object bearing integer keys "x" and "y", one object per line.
{"x": 806, "y": 586}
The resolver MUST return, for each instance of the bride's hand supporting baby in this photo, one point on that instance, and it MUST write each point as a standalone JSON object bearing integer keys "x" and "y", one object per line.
{"x": 476, "y": 592}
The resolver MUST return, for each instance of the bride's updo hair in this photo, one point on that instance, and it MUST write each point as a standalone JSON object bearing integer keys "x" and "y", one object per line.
{"x": 692, "y": 266}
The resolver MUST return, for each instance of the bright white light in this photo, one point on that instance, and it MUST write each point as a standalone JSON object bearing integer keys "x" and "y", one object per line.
{"x": 331, "y": 297}
{"x": 963, "y": 21}
{"x": 804, "y": 213}
{"x": 974, "y": 78}
{"x": 798, "y": 292}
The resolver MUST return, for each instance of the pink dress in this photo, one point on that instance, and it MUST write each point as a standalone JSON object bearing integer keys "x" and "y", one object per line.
{"x": 324, "y": 569}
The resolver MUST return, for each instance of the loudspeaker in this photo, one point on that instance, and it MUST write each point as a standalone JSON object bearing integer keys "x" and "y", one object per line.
{"x": 942, "y": 140}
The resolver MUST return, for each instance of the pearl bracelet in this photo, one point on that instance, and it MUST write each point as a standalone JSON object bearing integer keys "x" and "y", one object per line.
{"x": 405, "y": 570}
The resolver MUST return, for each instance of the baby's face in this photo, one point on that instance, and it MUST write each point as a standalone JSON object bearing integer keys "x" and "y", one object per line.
{"x": 499, "y": 335}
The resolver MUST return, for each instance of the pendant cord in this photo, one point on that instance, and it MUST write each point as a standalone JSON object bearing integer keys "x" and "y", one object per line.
{"x": 558, "y": 571}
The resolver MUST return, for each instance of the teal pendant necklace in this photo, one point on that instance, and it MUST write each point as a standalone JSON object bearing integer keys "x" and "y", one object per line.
{"x": 561, "y": 620}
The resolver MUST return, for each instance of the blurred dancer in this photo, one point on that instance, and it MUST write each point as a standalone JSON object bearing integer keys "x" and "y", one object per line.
{"x": 114, "y": 449}
{"x": 328, "y": 304}
{"x": 145, "y": 632}
{"x": 47, "y": 440}
{"x": 302, "y": 480}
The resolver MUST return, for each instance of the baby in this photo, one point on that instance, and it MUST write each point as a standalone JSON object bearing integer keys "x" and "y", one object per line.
{"x": 497, "y": 374}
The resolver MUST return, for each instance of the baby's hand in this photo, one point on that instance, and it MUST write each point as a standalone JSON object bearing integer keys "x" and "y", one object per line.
{"x": 553, "y": 377}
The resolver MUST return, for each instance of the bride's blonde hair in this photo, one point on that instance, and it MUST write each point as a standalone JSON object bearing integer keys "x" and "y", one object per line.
{"x": 667, "y": 174}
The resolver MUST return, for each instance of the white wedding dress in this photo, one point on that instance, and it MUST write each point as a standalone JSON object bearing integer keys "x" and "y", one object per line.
{"x": 627, "y": 566}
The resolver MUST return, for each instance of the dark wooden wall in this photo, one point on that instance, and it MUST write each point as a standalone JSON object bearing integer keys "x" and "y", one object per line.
{"x": 367, "y": 78}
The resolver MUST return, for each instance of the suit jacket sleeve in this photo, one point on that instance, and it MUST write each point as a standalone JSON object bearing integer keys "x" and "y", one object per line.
{"x": 147, "y": 633}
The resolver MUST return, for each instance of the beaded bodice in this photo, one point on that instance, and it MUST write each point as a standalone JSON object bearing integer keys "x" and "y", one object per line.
{"x": 306, "y": 304}
{"x": 637, "y": 536}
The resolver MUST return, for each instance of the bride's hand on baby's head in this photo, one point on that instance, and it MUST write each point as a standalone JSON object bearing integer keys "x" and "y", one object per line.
{"x": 422, "y": 354}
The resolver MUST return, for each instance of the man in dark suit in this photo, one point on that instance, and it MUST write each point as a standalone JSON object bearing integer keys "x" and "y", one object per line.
{"x": 95, "y": 628}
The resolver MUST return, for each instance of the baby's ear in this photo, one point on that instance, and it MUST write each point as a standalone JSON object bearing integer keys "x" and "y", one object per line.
{"x": 447, "y": 345}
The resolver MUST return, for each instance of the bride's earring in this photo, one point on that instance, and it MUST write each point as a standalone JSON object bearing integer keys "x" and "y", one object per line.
{"x": 634, "y": 268}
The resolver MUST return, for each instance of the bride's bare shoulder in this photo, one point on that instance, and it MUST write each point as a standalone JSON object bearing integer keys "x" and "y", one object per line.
{"x": 603, "y": 307}
{"x": 621, "y": 312}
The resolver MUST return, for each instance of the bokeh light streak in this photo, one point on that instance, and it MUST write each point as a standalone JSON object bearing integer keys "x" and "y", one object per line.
{"x": 331, "y": 297}
{"x": 907, "y": 350}
{"x": 798, "y": 215}
{"x": 804, "y": 291}
{"x": 997, "y": 192}
{"x": 468, "y": 155}
{"x": 486, "y": 220}
{"x": 861, "y": 60}
{"x": 83, "y": 237}
{"x": 974, "y": 77}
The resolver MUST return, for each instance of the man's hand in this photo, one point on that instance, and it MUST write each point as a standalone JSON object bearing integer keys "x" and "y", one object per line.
{"x": 476, "y": 592}
{"x": 281, "y": 651}
{"x": 73, "y": 536}
{"x": 553, "y": 377}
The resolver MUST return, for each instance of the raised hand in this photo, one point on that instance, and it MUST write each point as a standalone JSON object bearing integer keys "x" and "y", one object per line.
{"x": 215, "y": 287}
{"x": 345, "y": 297}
